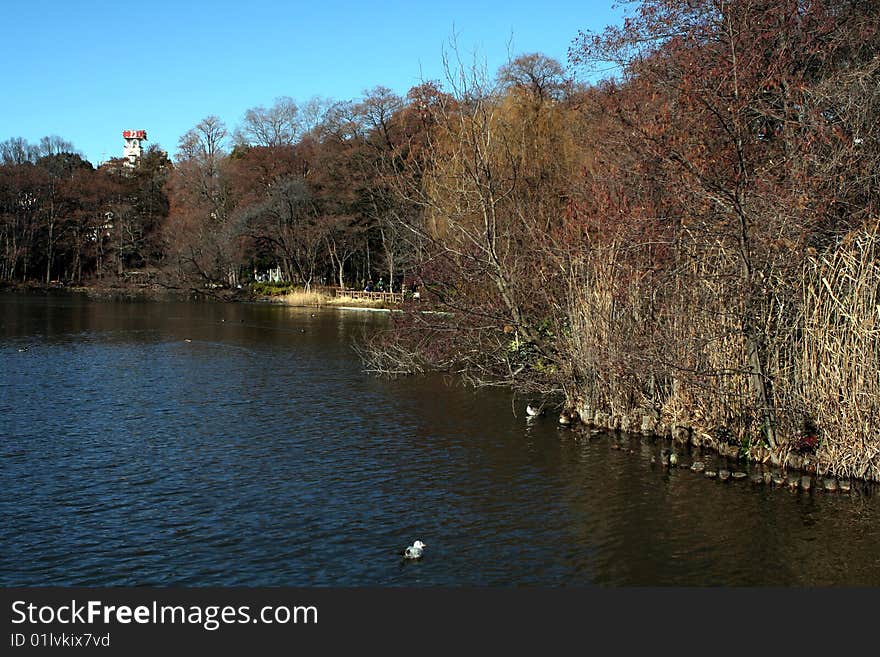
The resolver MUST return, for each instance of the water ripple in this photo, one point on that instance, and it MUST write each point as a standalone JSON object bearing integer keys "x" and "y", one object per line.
{"x": 258, "y": 453}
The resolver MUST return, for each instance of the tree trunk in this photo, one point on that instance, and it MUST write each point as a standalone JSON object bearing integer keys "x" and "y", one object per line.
{"x": 49, "y": 254}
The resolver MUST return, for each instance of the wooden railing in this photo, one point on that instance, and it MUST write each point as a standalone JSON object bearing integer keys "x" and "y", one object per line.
{"x": 389, "y": 297}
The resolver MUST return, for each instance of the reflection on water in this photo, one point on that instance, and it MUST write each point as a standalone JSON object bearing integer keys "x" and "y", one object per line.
{"x": 203, "y": 444}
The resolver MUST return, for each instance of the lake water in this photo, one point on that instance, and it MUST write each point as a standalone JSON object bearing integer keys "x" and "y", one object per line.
{"x": 219, "y": 444}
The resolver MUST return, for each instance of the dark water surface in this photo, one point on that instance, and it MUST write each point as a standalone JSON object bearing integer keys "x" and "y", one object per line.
{"x": 259, "y": 453}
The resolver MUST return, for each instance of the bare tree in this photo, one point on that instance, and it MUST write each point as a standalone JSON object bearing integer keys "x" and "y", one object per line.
{"x": 207, "y": 240}
{"x": 377, "y": 108}
{"x": 343, "y": 240}
{"x": 205, "y": 142}
{"x": 202, "y": 147}
{"x": 342, "y": 121}
{"x": 55, "y": 145}
{"x": 286, "y": 224}
{"x": 488, "y": 176}
{"x": 17, "y": 151}
{"x": 535, "y": 73}
{"x": 279, "y": 125}
{"x": 312, "y": 113}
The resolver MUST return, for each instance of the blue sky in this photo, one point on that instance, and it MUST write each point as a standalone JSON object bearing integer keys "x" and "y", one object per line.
{"x": 88, "y": 69}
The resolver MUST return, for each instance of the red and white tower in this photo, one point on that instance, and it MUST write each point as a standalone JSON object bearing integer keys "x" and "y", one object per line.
{"x": 132, "y": 150}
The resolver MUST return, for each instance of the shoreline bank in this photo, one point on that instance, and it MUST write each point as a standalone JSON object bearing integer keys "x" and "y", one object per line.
{"x": 684, "y": 448}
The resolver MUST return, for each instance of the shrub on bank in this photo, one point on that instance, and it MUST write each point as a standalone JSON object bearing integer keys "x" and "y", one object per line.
{"x": 271, "y": 289}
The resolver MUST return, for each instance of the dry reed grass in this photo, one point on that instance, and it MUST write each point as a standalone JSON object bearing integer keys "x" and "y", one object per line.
{"x": 317, "y": 298}
{"x": 301, "y": 297}
{"x": 835, "y": 356}
{"x": 676, "y": 348}
{"x": 351, "y": 301}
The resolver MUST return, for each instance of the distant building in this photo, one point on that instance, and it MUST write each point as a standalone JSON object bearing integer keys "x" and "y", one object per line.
{"x": 132, "y": 150}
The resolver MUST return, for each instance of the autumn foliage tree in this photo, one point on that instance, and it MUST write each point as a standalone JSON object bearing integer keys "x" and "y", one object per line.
{"x": 743, "y": 114}
{"x": 61, "y": 219}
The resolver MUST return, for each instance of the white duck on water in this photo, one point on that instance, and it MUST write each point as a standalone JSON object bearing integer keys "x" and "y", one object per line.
{"x": 414, "y": 551}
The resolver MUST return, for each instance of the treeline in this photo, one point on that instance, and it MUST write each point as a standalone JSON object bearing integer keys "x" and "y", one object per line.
{"x": 302, "y": 189}
{"x": 689, "y": 245}
{"x": 63, "y": 220}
